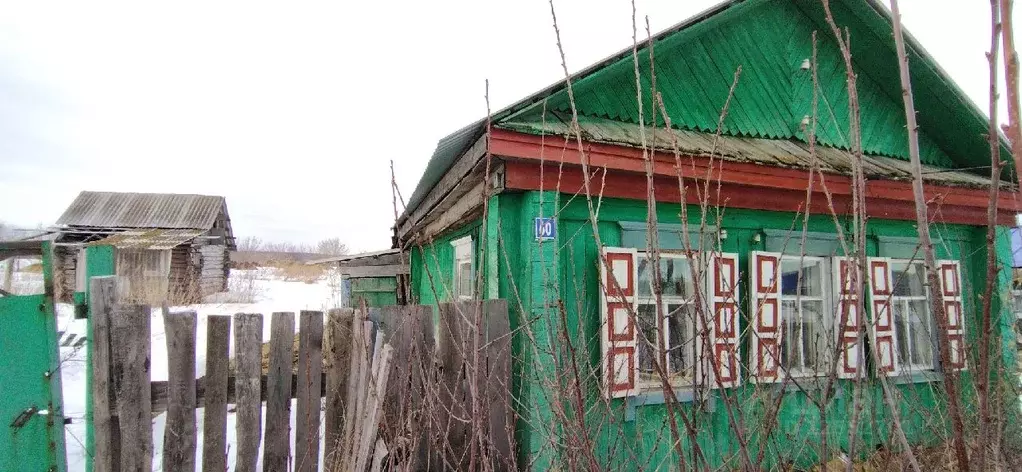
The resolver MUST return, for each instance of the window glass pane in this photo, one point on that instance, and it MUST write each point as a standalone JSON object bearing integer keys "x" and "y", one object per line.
{"x": 922, "y": 347}
{"x": 675, "y": 277}
{"x": 464, "y": 282}
{"x": 901, "y": 327}
{"x": 647, "y": 339}
{"x": 790, "y": 351}
{"x": 815, "y": 343}
{"x": 909, "y": 279}
{"x": 681, "y": 347}
{"x": 802, "y": 277}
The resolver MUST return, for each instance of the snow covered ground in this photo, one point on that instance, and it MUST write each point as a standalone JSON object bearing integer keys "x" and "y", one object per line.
{"x": 271, "y": 294}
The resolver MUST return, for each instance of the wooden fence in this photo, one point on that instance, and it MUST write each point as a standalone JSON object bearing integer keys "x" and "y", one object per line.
{"x": 390, "y": 396}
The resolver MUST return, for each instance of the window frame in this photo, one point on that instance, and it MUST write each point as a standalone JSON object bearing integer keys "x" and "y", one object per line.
{"x": 663, "y": 328}
{"x": 911, "y": 367}
{"x": 464, "y": 250}
{"x": 828, "y": 307}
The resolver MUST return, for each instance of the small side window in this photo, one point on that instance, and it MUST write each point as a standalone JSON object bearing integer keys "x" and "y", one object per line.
{"x": 463, "y": 283}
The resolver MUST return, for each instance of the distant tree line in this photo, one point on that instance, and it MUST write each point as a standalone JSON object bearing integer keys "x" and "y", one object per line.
{"x": 329, "y": 246}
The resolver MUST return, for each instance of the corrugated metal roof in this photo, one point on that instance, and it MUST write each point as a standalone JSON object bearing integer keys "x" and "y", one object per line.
{"x": 695, "y": 63}
{"x": 142, "y": 210}
{"x": 156, "y": 239}
{"x": 770, "y": 152}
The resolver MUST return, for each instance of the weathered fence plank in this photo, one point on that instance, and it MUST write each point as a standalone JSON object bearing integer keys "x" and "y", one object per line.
{"x": 310, "y": 368}
{"x": 338, "y": 362}
{"x": 131, "y": 336}
{"x": 374, "y": 402}
{"x": 179, "y": 434}
{"x": 277, "y": 439}
{"x": 361, "y": 331}
{"x": 248, "y": 337}
{"x": 409, "y": 330}
{"x": 451, "y": 431}
{"x": 105, "y": 426}
{"x": 214, "y": 423}
{"x": 498, "y": 384}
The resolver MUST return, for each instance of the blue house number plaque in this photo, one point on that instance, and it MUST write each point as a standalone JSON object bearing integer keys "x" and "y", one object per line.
{"x": 546, "y": 229}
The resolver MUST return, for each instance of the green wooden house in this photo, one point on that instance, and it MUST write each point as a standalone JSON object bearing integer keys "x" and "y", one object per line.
{"x": 752, "y": 312}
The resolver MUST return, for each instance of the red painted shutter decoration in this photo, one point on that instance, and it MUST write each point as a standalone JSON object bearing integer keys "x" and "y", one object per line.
{"x": 881, "y": 283}
{"x": 848, "y": 321}
{"x": 767, "y": 323}
{"x": 726, "y": 327}
{"x": 951, "y": 293}
{"x": 618, "y": 298}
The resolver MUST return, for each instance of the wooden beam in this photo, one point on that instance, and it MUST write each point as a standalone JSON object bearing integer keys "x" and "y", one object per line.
{"x": 160, "y": 389}
{"x": 375, "y": 271}
{"x": 466, "y": 205}
{"x": 451, "y": 179}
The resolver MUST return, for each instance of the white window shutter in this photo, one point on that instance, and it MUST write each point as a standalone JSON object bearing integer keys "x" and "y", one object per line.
{"x": 851, "y": 357}
{"x": 619, "y": 334}
{"x": 767, "y": 323}
{"x": 723, "y": 291}
{"x": 881, "y": 285}
{"x": 951, "y": 294}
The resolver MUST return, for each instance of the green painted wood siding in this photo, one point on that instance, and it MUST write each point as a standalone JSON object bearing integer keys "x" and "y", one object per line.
{"x": 541, "y": 277}
{"x": 375, "y": 291}
{"x": 770, "y": 41}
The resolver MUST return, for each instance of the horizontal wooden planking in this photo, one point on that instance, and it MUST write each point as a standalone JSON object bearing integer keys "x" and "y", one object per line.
{"x": 159, "y": 391}
{"x": 374, "y": 284}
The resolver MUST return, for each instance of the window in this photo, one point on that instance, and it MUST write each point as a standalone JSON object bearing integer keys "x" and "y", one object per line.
{"x": 463, "y": 284}
{"x": 913, "y": 321}
{"x": 807, "y": 319}
{"x": 676, "y": 328}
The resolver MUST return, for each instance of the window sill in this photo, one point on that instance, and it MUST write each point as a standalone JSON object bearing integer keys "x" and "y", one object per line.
{"x": 921, "y": 376}
{"x": 656, "y": 397}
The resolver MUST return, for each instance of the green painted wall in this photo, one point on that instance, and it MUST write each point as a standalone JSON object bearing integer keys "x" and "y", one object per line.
{"x": 540, "y": 277}
{"x": 432, "y": 268}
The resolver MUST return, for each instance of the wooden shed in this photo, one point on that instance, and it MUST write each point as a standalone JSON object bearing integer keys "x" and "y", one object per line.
{"x": 378, "y": 278}
{"x": 171, "y": 247}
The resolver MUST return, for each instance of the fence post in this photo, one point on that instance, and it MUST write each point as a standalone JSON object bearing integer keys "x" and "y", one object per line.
{"x": 338, "y": 370}
{"x": 131, "y": 336}
{"x": 179, "y": 434}
{"x": 277, "y": 440}
{"x": 214, "y": 423}
{"x": 106, "y": 430}
{"x": 248, "y": 367}
{"x": 310, "y": 371}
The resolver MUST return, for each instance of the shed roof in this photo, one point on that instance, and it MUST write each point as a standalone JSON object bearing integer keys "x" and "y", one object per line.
{"x": 697, "y": 57}
{"x": 155, "y": 239}
{"x": 355, "y": 257}
{"x": 143, "y": 210}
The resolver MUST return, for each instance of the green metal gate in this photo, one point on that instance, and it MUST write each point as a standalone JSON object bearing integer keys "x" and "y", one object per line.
{"x": 31, "y": 408}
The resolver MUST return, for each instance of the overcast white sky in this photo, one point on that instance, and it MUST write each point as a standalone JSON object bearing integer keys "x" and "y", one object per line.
{"x": 294, "y": 112}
